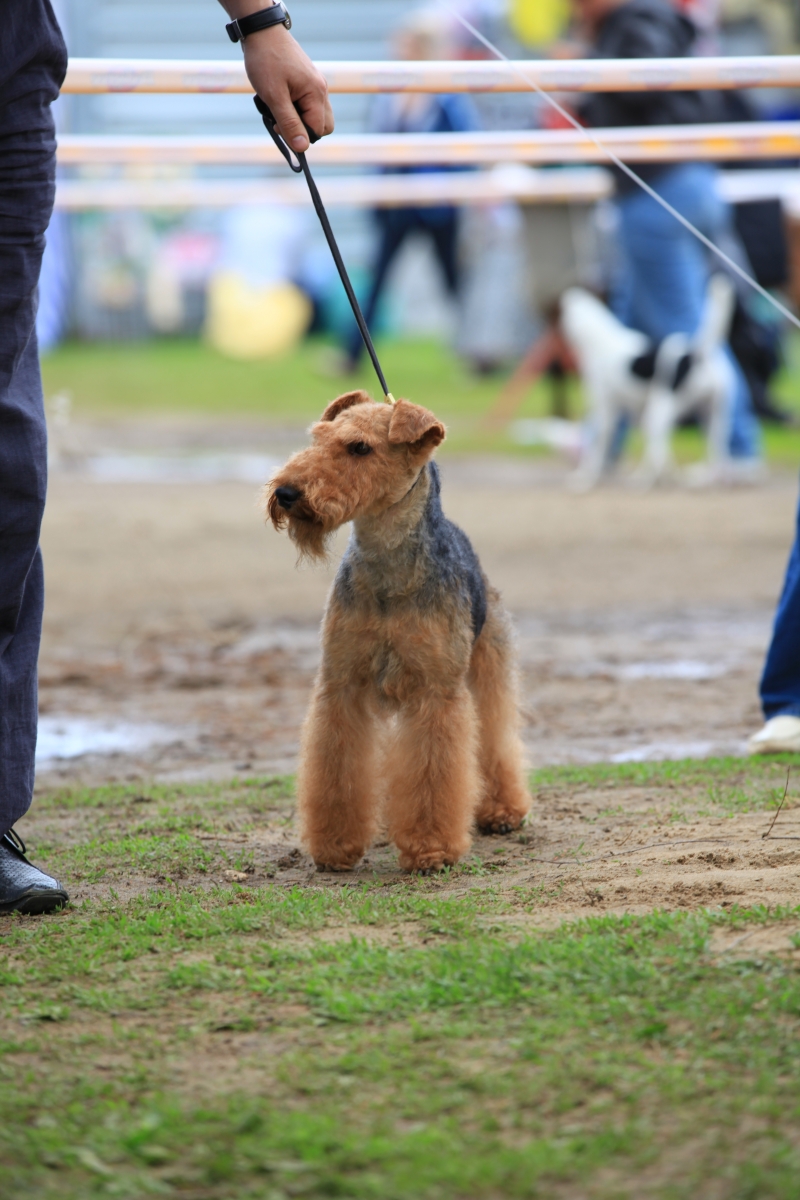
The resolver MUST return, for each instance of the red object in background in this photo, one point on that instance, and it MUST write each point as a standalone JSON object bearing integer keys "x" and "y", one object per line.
{"x": 551, "y": 118}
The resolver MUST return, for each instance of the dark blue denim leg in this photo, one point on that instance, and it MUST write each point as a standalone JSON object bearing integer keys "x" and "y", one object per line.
{"x": 394, "y": 225}
{"x": 780, "y": 683}
{"x": 27, "y": 156}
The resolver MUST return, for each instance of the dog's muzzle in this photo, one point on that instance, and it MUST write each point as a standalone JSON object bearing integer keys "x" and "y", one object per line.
{"x": 287, "y": 496}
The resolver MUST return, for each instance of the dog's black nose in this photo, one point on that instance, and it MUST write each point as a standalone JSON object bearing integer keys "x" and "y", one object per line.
{"x": 286, "y": 496}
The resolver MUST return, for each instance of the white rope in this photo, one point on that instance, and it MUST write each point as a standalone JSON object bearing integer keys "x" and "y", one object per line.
{"x": 729, "y": 262}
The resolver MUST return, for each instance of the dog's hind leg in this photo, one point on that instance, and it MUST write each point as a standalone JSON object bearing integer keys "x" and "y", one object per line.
{"x": 492, "y": 681}
{"x": 432, "y": 779}
{"x": 599, "y": 427}
{"x": 337, "y": 783}
{"x": 657, "y": 425}
{"x": 721, "y": 402}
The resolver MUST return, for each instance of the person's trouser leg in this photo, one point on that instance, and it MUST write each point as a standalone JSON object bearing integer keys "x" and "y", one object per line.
{"x": 780, "y": 682}
{"x": 444, "y": 235}
{"x": 27, "y": 161}
{"x": 394, "y": 224}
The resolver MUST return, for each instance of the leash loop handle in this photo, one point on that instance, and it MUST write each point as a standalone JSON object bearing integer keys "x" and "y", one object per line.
{"x": 271, "y": 126}
{"x": 302, "y": 168}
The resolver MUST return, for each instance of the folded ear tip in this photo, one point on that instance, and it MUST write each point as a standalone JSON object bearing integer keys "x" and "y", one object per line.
{"x": 347, "y": 400}
{"x": 413, "y": 425}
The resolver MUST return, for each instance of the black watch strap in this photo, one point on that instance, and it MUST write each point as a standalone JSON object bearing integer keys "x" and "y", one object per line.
{"x": 241, "y": 28}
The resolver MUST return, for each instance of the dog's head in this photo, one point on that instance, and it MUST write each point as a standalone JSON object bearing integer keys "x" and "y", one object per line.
{"x": 363, "y": 458}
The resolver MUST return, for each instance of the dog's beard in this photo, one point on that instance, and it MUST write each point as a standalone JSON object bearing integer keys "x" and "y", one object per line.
{"x": 308, "y": 531}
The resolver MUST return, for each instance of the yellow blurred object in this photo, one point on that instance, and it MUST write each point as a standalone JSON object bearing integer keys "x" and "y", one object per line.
{"x": 244, "y": 321}
{"x": 538, "y": 22}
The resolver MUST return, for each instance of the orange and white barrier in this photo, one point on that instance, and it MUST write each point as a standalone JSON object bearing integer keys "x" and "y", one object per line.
{"x": 87, "y": 75}
{"x": 525, "y": 185}
{"x": 664, "y": 143}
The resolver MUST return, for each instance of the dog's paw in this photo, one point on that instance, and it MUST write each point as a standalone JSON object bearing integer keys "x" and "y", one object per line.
{"x": 335, "y": 866}
{"x": 426, "y": 862}
{"x": 499, "y": 823}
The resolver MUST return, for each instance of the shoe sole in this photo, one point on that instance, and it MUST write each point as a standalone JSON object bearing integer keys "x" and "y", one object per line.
{"x": 774, "y": 748}
{"x": 35, "y": 903}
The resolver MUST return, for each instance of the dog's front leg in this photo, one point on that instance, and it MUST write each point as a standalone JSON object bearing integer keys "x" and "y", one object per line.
{"x": 336, "y": 786}
{"x": 432, "y": 778}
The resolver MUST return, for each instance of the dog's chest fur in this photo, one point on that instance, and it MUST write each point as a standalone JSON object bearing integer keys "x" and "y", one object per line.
{"x": 411, "y": 587}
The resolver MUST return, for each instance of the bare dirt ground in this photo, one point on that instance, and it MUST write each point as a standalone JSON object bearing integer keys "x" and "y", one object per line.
{"x": 642, "y": 621}
{"x": 595, "y": 846}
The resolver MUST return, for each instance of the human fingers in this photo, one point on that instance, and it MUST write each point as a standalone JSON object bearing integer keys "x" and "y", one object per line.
{"x": 315, "y": 107}
{"x": 328, "y": 121}
{"x": 290, "y": 122}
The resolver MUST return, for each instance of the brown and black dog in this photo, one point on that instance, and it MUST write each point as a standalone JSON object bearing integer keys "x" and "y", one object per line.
{"x": 414, "y": 716}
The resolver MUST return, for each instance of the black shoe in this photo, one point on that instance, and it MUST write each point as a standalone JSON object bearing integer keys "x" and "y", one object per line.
{"x": 23, "y": 887}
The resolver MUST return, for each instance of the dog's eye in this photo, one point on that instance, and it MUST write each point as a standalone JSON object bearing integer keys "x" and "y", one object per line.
{"x": 359, "y": 448}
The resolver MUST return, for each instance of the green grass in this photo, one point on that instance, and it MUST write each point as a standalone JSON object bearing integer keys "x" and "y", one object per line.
{"x": 402, "y": 1038}
{"x": 458, "y": 1064}
{"x": 168, "y": 377}
{"x": 174, "y": 376}
{"x": 759, "y": 779}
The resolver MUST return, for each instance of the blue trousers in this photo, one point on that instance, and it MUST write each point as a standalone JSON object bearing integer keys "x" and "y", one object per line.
{"x": 780, "y": 682}
{"x": 665, "y": 271}
{"x": 27, "y": 189}
{"x": 395, "y": 225}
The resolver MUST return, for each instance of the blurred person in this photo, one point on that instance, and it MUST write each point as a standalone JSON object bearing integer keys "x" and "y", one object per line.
{"x": 424, "y": 36}
{"x": 33, "y": 62}
{"x": 704, "y": 16}
{"x": 664, "y": 270}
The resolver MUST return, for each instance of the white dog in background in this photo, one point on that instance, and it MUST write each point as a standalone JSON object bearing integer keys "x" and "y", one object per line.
{"x": 626, "y": 375}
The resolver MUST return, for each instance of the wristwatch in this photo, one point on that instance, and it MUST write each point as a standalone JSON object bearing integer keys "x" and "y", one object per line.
{"x": 242, "y": 27}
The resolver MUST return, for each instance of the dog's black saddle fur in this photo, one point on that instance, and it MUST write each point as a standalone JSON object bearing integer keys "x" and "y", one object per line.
{"x": 456, "y": 564}
{"x": 644, "y": 367}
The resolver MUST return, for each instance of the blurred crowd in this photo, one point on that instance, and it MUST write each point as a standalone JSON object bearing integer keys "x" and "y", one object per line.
{"x": 487, "y": 276}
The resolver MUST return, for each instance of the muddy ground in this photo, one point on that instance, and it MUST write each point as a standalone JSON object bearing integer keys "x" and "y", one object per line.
{"x": 172, "y": 612}
{"x": 642, "y": 618}
{"x": 695, "y": 838}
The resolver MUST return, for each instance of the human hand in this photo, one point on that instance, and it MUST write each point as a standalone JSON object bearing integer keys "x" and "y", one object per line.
{"x": 284, "y": 76}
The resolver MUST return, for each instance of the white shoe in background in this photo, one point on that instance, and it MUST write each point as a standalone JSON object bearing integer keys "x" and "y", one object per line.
{"x": 780, "y": 735}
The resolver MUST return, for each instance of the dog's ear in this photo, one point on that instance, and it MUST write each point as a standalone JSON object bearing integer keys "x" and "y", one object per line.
{"x": 415, "y": 426}
{"x": 342, "y": 402}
